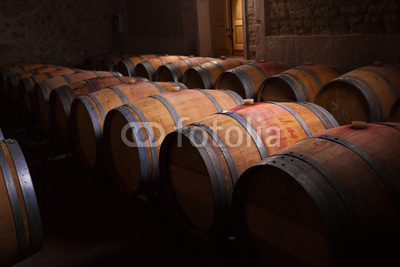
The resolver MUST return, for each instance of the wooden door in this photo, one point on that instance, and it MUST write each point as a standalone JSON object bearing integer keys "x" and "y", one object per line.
{"x": 221, "y": 27}
{"x": 237, "y": 26}
{"x": 227, "y": 27}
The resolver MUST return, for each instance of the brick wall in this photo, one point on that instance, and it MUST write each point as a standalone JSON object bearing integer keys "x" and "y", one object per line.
{"x": 351, "y": 33}
{"x": 55, "y": 31}
{"x": 308, "y": 17}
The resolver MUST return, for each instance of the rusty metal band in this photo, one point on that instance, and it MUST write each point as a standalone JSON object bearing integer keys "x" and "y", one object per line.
{"x": 389, "y": 82}
{"x": 262, "y": 150}
{"x": 260, "y": 69}
{"x": 212, "y": 99}
{"x": 224, "y": 150}
{"x": 150, "y": 137}
{"x": 369, "y": 94}
{"x": 92, "y": 87}
{"x": 171, "y": 110}
{"x": 28, "y": 192}
{"x": 371, "y": 162}
{"x": 235, "y": 97}
{"x": 299, "y": 119}
{"x": 15, "y": 204}
{"x": 66, "y": 77}
{"x": 120, "y": 94}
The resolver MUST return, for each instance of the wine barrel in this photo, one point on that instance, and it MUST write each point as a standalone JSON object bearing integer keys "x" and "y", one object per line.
{"x": 365, "y": 94}
{"x": 91, "y": 63}
{"x": 89, "y": 111}
{"x": 127, "y": 66}
{"x": 61, "y": 99}
{"x": 20, "y": 227}
{"x": 247, "y": 79}
{"x": 132, "y": 151}
{"x": 109, "y": 63}
{"x": 13, "y": 80}
{"x": 173, "y": 71}
{"x": 329, "y": 200}
{"x": 205, "y": 75}
{"x": 200, "y": 163}
{"x": 41, "y": 93}
{"x": 13, "y": 65}
{"x": 301, "y": 83}
{"x": 5, "y": 73}
{"x": 26, "y": 89}
{"x": 29, "y": 82}
{"x": 395, "y": 111}
{"x": 149, "y": 68}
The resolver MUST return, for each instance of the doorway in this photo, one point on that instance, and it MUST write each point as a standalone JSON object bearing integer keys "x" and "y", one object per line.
{"x": 227, "y": 27}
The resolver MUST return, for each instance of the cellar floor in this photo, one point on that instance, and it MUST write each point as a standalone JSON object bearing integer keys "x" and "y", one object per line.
{"x": 86, "y": 221}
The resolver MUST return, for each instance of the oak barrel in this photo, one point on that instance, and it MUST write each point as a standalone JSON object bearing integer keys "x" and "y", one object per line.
{"x": 13, "y": 65}
{"x": 173, "y": 71}
{"x": 127, "y": 66}
{"x": 246, "y": 79}
{"x": 26, "y": 89}
{"x": 92, "y": 63}
{"x": 329, "y": 200}
{"x": 301, "y": 83}
{"x": 149, "y": 68}
{"x": 13, "y": 80}
{"x": 27, "y": 84}
{"x": 205, "y": 75}
{"x": 395, "y": 111}
{"x": 109, "y": 63}
{"x": 365, "y": 94}
{"x": 41, "y": 96}
{"x": 133, "y": 133}
{"x": 4, "y": 73}
{"x": 11, "y": 71}
{"x": 89, "y": 111}
{"x": 61, "y": 99}
{"x": 200, "y": 163}
{"x": 20, "y": 227}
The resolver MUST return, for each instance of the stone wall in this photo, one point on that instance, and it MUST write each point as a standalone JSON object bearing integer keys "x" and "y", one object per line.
{"x": 351, "y": 33}
{"x": 55, "y": 31}
{"x": 340, "y": 17}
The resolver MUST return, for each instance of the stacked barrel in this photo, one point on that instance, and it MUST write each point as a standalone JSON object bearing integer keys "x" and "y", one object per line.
{"x": 20, "y": 227}
{"x": 299, "y": 163}
{"x": 205, "y": 149}
{"x": 294, "y": 181}
{"x": 330, "y": 199}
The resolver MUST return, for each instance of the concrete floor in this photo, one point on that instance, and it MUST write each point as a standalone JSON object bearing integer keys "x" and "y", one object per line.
{"x": 87, "y": 222}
